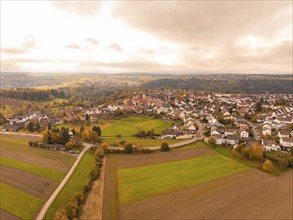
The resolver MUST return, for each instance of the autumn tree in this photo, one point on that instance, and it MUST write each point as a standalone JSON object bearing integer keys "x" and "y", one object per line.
{"x": 105, "y": 146}
{"x": 212, "y": 140}
{"x": 267, "y": 166}
{"x": 256, "y": 151}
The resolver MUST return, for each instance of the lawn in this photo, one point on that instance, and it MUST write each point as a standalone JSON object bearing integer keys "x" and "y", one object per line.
{"x": 18, "y": 202}
{"x": 198, "y": 144}
{"x": 75, "y": 184}
{"x": 146, "y": 181}
{"x": 32, "y": 168}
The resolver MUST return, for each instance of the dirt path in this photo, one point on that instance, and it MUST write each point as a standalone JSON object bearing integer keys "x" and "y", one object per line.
{"x": 249, "y": 195}
{"x": 49, "y": 202}
{"x": 114, "y": 162}
{"x": 35, "y": 185}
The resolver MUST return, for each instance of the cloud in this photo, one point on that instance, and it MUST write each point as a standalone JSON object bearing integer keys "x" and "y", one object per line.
{"x": 81, "y": 8}
{"x": 116, "y": 47}
{"x": 218, "y": 35}
{"x": 13, "y": 51}
{"x": 203, "y": 22}
{"x": 73, "y": 46}
{"x": 92, "y": 41}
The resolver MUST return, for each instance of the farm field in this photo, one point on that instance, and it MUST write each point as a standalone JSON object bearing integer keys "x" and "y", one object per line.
{"x": 214, "y": 199}
{"x": 28, "y": 175}
{"x": 126, "y": 127}
{"x": 130, "y": 125}
{"x": 146, "y": 181}
{"x": 77, "y": 181}
{"x": 115, "y": 162}
{"x": 246, "y": 195}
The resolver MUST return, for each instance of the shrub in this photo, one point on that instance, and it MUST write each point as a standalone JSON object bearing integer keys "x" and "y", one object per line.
{"x": 128, "y": 148}
{"x": 165, "y": 147}
{"x": 71, "y": 211}
{"x": 100, "y": 153}
{"x": 267, "y": 166}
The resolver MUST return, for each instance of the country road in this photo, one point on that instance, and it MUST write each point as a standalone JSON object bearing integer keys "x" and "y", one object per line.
{"x": 49, "y": 202}
{"x": 21, "y": 134}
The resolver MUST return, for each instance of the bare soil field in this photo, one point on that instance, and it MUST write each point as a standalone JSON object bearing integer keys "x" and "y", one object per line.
{"x": 249, "y": 195}
{"x": 114, "y": 162}
{"x": 40, "y": 161}
{"x": 35, "y": 185}
{"x": 7, "y": 216}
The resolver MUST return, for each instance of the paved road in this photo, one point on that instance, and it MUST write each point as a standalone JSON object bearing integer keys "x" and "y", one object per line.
{"x": 49, "y": 202}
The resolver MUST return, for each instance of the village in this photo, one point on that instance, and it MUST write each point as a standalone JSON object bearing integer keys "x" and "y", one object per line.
{"x": 224, "y": 119}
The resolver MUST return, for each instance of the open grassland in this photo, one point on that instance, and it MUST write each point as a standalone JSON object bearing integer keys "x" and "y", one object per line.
{"x": 21, "y": 204}
{"x": 130, "y": 125}
{"x": 34, "y": 169}
{"x": 75, "y": 184}
{"x": 143, "y": 182}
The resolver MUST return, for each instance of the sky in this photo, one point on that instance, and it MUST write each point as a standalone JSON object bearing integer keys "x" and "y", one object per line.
{"x": 146, "y": 36}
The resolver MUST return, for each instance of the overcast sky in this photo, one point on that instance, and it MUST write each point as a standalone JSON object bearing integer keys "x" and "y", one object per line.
{"x": 155, "y": 36}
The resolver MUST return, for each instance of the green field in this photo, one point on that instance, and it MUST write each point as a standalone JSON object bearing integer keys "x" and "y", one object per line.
{"x": 146, "y": 181}
{"x": 129, "y": 126}
{"x": 32, "y": 168}
{"x": 19, "y": 203}
{"x": 75, "y": 184}
{"x": 198, "y": 144}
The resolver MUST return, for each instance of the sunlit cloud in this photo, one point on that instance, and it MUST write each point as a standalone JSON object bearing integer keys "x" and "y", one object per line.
{"x": 122, "y": 36}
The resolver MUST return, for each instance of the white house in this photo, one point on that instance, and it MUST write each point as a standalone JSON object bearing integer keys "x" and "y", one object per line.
{"x": 232, "y": 139}
{"x": 218, "y": 139}
{"x": 215, "y": 132}
{"x": 287, "y": 142}
{"x": 230, "y": 132}
{"x": 283, "y": 134}
{"x": 269, "y": 145}
{"x": 266, "y": 131}
{"x": 244, "y": 134}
